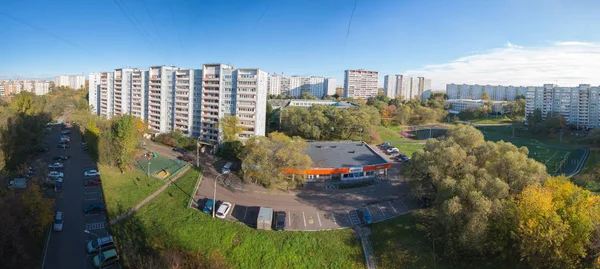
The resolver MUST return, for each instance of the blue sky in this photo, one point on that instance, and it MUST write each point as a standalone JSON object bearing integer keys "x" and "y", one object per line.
{"x": 46, "y": 38}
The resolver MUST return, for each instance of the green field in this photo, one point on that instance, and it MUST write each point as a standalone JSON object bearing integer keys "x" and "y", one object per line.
{"x": 123, "y": 191}
{"x": 403, "y": 242}
{"x": 167, "y": 223}
{"x": 406, "y": 146}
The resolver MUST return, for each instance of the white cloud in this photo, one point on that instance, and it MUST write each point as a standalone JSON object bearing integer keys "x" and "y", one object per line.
{"x": 562, "y": 63}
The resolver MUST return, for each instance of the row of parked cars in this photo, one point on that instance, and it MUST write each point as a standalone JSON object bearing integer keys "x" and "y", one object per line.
{"x": 396, "y": 155}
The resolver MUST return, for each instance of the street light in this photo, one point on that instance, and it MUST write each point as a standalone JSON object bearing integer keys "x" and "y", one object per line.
{"x": 99, "y": 244}
{"x": 148, "y": 171}
{"x": 215, "y": 194}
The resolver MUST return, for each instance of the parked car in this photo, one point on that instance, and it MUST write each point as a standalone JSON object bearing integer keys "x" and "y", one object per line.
{"x": 393, "y": 150}
{"x": 63, "y": 146}
{"x": 223, "y": 210}
{"x": 92, "y": 182}
{"x": 65, "y": 132}
{"x": 385, "y": 145}
{"x": 364, "y": 216}
{"x": 208, "y": 206}
{"x": 180, "y": 150}
{"x": 56, "y": 166}
{"x": 227, "y": 168}
{"x": 91, "y": 173}
{"x": 43, "y": 150}
{"x": 94, "y": 208}
{"x": 55, "y": 174}
{"x": 280, "y": 220}
{"x": 104, "y": 243}
{"x": 61, "y": 158}
{"x": 105, "y": 258}
{"x": 58, "y": 221}
{"x": 58, "y": 183}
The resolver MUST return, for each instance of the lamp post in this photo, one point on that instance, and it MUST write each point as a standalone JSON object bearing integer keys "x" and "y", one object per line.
{"x": 99, "y": 244}
{"x": 148, "y": 171}
{"x": 198, "y": 152}
{"x": 215, "y": 194}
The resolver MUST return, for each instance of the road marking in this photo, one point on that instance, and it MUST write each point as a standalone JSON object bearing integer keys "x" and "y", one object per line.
{"x": 333, "y": 218}
{"x": 290, "y": 218}
{"x": 319, "y": 218}
{"x": 93, "y": 214}
{"x": 304, "y": 218}
{"x": 393, "y": 206}
{"x": 405, "y": 207}
{"x": 245, "y": 213}
{"x": 95, "y": 226}
{"x": 381, "y": 210}
{"x": 46, "y": 247}
{"x": 350, "y": 218}
{"x": 91, "y": 199}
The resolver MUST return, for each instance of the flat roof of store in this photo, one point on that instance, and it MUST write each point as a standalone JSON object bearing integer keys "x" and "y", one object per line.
{"x": 343, "y": 154}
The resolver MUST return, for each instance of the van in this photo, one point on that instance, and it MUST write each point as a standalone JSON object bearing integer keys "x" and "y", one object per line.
{"x": 227, "y": 168}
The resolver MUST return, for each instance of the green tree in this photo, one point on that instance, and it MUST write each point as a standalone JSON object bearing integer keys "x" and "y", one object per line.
{"x": 231, "y": 128}
{"x": 24, "y": 103}
{"x": 485, "y": 97}
{"x": 556, "y": 223}
{"x": 307, "y": 95}
{"x": 404, "y": 114}
{"x": 270, "y": 117}
{"x": 264, "y": 160}
{"x": 125, "y": 140}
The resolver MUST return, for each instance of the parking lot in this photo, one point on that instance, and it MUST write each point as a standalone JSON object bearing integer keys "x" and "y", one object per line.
{"x": 66, "y": 249}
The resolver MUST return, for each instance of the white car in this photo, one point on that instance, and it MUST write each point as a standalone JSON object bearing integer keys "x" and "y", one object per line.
{"x": 223, "y": 210}
{"x": 55, "y": 174}
{"x": 58, "y": 221}
{"x": 56, "y": 165}
{"x": 91, "y": 173}
{"x": 392, "y": 150}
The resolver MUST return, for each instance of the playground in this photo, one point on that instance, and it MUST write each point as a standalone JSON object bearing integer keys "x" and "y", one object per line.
{"x": 158, "y": 166}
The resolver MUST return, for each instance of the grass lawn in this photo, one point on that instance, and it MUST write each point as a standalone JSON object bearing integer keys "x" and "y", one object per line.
{"x": 491, "y": 120}
{"x": 402, "y": 242}
{"x": 167, "y": 223}
{"x": 406, "y": 146}
{"x": 123, "y": 191}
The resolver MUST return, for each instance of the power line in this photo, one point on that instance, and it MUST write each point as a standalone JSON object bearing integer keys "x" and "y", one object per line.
{"x": 350, "y": 24}
{"x": 136, "y": 25}
{"x": 263, "y": 14}
{"x": 49, "y": 33}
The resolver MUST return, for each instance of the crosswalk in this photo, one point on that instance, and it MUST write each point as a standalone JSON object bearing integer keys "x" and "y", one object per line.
{"x": 95, "y": 226}
{"x": 353, "y": 215}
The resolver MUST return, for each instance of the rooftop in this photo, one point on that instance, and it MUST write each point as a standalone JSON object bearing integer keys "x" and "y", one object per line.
{"x": 342, "y": 154}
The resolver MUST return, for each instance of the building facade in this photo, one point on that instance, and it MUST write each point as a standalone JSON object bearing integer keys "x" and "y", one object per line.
{"x": 188, "y": 100}
{"x": 296, "y": 85}
{"x": 406, "y": 87}
{"x": 459, "y": 105}
{"x": 12, "y": 87}
{"x": 475, "y": 91}
{"x": 580, "y": 106}
{"x": 74, "y": 81}
{"x": 360, "y": 83}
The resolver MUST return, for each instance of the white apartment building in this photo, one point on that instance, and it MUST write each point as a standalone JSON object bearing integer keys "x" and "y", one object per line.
{"x": 160, "y": 98}
{"x": 139, "y": 94}
{"x": 578, "y": 105}
{"x": 330, "y": 85}
{"x": 360, "y": 83}
{"x": 105, "y": 94}
{"x": 406, "y": 87}
{"x": 295, "y": 85}
{"x": 10, "y": 87}
{"x": 41, "y": 87}
{"x": 251, "y": 100}
{"x": 74, "y": 81}
{"x": 122, "y": 91}
{"x": 94, "y": 92}
{"x": 459, "y": 105}
{"x": 475, "y": 92}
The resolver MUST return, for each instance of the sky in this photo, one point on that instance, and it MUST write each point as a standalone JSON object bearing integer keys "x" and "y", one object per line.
{"x": 511, "y": 42}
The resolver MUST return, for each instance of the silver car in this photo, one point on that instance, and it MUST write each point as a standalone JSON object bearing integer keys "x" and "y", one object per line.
{"x": 58, "y": 221}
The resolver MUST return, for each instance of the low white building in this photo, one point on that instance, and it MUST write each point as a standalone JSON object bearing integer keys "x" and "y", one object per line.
{"x": 73, "y": 81}
{"x": 459, "y": 105}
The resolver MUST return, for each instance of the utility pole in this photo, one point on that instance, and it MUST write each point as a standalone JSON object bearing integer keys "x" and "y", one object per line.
{"x": 215, "y": 197}
{"x": 197, "y": 153}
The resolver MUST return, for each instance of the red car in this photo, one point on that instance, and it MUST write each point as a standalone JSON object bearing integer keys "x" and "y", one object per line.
{"x": 92, "y": 182}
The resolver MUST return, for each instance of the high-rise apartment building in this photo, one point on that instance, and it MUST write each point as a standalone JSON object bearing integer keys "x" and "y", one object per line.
{"x": 11, "y": 87}
{"x": 360, "y": 83}
{"x": 74, "y": 81}
{"x": 475, "y": 92}
{"x": 406, "y": 87}
{"x": 580, "y": 106}
{"x": 330, "y": 84}
{"x": 296, "y": 85}
{"x": 192, "y": 101}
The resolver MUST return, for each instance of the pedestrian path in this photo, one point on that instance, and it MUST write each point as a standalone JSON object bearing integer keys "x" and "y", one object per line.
{"x": 149, "y": 198}
{"x": 363, "y": 233}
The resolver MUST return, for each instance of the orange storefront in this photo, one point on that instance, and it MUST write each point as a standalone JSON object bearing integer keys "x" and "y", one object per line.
{"x": 342, "y": 173}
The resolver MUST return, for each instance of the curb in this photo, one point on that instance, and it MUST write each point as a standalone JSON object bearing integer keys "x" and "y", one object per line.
{"x": 198, "y": 181}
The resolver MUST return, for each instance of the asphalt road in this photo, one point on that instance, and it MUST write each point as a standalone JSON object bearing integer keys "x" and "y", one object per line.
{"x": 66, "y": 249}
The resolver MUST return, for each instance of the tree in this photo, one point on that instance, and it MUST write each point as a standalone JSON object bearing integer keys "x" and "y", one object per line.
{"x": 125, "y": 140}
{"x": 231, "y": 128}
{"x": 593, "y": 137}
{"x": 270, "y": 117}
{"x": 517, "y": 108}
{"x": 265, "y": 158}
{"x": 307, "y": 95}
{"x": 404, "y": 114}
{"x": 485, "y": 97}
{"x": 24, "y": 103}
{"x": 556, "y": 223}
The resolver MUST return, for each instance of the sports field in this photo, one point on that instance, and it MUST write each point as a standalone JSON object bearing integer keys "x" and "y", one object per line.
{"x": 160, "y": 167}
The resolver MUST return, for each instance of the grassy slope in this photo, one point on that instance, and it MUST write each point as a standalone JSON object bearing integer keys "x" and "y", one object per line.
{"x": 406, "y": 146}
{"x": 123, "y": 191}
{"x": 491, "y": 120}
{"x": 167, "y": 222}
